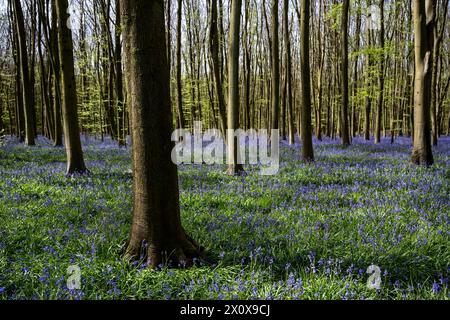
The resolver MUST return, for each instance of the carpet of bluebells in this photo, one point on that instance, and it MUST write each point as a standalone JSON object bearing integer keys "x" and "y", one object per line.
{"x": 310, "y": 232}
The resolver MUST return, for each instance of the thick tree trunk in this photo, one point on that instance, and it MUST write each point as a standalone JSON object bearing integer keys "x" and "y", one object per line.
{"x": 424, "y": 20}
{"x": 75, "y": 160}
{"x": 306, "y": 128}
{"x": 156, "y": 211}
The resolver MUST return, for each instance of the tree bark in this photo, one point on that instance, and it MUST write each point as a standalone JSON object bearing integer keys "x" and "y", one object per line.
{"x": 58, "y": 142}
{"x": 378, "y": 122}
{"x": 306, "y": 128}
{"x": 121, "y": 135}
{"x": 287, "y": 40}
{"x": 27, "y": 91}
{"x": 75, "y": 160}
{"x": 275, "y": 111}
{"x": 438, "y": 37}
{"x": 354, "y": 127}
{"x": 180, "y": 122}
{"x": 424, "y": 20}
{"x": 156, "y": 225}
{"x": 216, "y": 64}
{"x": 345, "y": 136}
{"x": 368, "y": 106}
{"x": 234, "y": 168}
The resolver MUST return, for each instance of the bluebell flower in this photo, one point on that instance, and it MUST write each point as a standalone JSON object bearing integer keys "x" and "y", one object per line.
{"x": 436, "y": 288}
{"x": 291, "y": 280}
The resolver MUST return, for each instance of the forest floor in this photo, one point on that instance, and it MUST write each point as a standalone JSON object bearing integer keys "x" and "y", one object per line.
{"x": 310, "y": 232}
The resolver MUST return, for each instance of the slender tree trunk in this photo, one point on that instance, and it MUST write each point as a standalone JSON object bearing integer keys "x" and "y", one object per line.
{"x": 24, "y": 75}
{"x": 345, "y": 136}
{"x": 45, "y": 102}
{"x": 275, "y": 111}
{"x": 247, "y": 68}
{"x": 2, "y": 126}
{"x": 378, "y": 122}
{"x": 18, "y": 107}
{"x": 56, "y": 66}
{"x": 121, "y": 135}
{"x": 168, "y": 34}
{"x": 75, "y": 160}
{"x": 180, "y": 122}
{"x": 321, "y": 48}
{"x": 368, "y": 107}
{"x": 438, "y": 37}
{"x": 214, "y": 47}
{"x": 108, "y": 69}
{"x": 32, "y": 63}
{"x": 83, "y": 63}
{"x": 306, "y": 128}
{"x": 287, "y": 40}
{"x": 234, "y": 167}
{"x": 355, "y": 73}
{"x": 156, "y": 211}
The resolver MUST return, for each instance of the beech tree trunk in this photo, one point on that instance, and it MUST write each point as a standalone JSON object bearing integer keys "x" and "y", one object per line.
{"x": 58, "y": 129}
{"x": 378, "y": 122}
{"x": 424, "y": 20}
{"x": 275, "y": 112}
{"x": 287, "y": 40}
{"x": 75, "y": 160}
{"x": 156, "y": 222}
{"x": 121, "y": 135}
{"x": 234, "y": 168}
{"x": 180, "y": 120}
{"x": 18, "y": 107}
{"x": 345, "y": 136}
{"x": 368, "y": 82}
{"x": 306, "y": 128}
{"x": 438, "y": 35}
{"x": 354, "y": 126}
{"x": 27, "y": 90}
{"x": 214, "y": 46}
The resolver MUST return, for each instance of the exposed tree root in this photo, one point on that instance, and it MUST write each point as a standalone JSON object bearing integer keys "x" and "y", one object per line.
{"x": 178, "y": 252}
